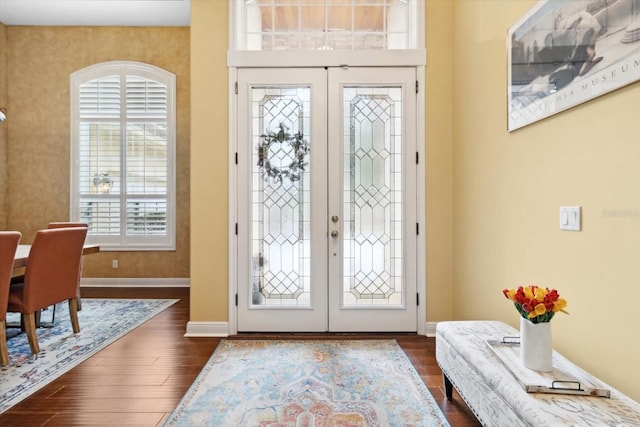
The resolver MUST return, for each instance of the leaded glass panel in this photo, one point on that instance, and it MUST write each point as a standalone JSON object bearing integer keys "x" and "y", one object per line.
{"x": 372, "y": 140}
{"x": 281, "y": 196}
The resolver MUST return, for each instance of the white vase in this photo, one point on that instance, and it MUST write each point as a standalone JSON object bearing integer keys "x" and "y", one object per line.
{"x": 536, "y": 350}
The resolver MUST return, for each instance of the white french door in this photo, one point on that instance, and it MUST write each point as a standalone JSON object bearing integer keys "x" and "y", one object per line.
{"x": 326, "y": 200}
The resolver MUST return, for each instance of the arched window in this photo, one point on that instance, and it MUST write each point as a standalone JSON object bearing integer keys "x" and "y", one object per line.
{"x": 123, "y": 155}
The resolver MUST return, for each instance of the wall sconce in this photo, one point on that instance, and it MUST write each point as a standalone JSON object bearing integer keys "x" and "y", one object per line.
{"x": 102, "y": 182}
{"x": 3, "y": 115}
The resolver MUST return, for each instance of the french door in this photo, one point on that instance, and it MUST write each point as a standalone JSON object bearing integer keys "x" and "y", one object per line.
{"x": 327, "y": 200}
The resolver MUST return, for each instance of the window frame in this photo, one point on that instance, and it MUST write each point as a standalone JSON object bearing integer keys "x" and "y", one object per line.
{"x": 122, "y": 242}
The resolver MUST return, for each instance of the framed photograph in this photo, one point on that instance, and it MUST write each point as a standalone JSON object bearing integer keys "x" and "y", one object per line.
{"x": 562, "y": 53}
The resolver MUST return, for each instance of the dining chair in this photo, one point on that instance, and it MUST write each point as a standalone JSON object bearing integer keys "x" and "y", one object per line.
{"x": 20, "y": 278}
{"x": 67, "y": 224}
{"x": 63, "y": 224}
{"x": 51, "y": 276}
{"x": 8, "y": 244}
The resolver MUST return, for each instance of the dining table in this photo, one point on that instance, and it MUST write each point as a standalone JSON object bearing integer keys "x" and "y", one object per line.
{"x": 22, "y": 253}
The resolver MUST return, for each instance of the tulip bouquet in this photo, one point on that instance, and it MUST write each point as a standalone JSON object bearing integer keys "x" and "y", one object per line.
{"x": 536, "y": 304}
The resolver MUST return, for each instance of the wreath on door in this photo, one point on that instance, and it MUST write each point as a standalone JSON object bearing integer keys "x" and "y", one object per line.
{"x": 299, "y": 148}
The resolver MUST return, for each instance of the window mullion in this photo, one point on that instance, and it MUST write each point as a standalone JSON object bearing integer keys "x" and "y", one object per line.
{"x": 123, "y": 159}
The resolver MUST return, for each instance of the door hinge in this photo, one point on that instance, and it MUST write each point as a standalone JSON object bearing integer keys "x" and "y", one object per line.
{"x": 236, "y": 88}
{"x": 236, "y": 300}
{"x": 417, "y": 299}
{"x": 417, "y": 158}
{"x": 417, "y": 228}
{"x": 236, "y": 228}
{"x": 236, "y": 157}
{"x": 417, "y": 87}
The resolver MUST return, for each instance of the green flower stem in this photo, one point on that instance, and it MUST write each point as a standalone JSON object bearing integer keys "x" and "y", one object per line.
{"x": 542, "y": 318}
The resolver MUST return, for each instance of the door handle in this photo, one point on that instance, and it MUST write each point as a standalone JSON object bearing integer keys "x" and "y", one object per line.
{"x": 334, "y": 233}
{"x": 335, "y": 218}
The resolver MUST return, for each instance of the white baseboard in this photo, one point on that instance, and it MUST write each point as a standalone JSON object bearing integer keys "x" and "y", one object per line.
{"x": 207, "y": 329}
{"x": 132, "y": 282}
{"x": 221, "y": 329}
{"x": 430, "y": 329}
{"x": 194, "y": 329}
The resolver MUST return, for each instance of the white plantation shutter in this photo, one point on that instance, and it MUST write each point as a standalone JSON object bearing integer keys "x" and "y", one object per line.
{"x": 123, "y": 155}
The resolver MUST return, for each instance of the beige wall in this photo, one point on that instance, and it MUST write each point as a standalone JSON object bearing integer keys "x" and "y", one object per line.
{"x": 40, "y": 61}
{"x": 439, "y": 165}
{"x": 507, "y": 191}
{"x": 209, "y": 162}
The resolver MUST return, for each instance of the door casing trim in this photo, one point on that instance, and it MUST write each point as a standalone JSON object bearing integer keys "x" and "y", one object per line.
{"x": 233, "y": 201}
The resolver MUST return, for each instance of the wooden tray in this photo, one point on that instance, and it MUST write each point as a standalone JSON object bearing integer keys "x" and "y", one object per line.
{"x": 565, "y": 378}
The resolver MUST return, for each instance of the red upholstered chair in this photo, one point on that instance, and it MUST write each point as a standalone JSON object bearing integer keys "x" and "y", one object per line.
{"x": 51, "y": 276}
{"x": 8, "y": 245}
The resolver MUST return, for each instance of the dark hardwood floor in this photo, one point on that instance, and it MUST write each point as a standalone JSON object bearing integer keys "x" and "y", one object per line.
{"x": 139, "y": 379}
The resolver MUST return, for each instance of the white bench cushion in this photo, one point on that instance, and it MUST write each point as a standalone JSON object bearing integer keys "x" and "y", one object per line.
{"x": 497, "y": 399}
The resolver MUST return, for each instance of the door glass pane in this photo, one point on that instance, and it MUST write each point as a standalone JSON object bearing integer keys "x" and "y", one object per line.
{"x": 281, "y": 197}
{"x": 372, "y": 168}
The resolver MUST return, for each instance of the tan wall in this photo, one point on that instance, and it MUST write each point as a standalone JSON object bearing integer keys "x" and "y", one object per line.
{"x": 3, "y": 127}
{"x": 508, "y": 188}
{"x": 439, "y": 165}
{"x": 209, "y": 162}
{"x": 40, "y": 61}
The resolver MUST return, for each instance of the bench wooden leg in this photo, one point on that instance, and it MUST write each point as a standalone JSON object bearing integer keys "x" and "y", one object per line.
{"x": 448, "y": 387}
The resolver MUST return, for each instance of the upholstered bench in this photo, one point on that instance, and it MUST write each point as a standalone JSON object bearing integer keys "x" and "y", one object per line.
{"x": 470, "y": 364}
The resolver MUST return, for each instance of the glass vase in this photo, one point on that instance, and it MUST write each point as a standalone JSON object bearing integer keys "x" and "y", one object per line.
{"x": 536, "y": 350}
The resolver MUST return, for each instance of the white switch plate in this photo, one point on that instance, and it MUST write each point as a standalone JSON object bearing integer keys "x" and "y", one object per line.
{"x": 570, "y": 218}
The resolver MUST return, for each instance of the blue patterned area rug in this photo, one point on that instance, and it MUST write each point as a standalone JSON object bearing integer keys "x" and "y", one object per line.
{"x": 317, "y": 383}
{"x": 102, "y": 321}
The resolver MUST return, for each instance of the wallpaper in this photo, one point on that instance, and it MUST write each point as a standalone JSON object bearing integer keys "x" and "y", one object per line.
{"x": 39, "y": 63}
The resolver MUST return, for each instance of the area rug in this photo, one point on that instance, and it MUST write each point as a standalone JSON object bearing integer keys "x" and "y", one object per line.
{"x": 102, "y": 321}
{"x": 318, "y": 383}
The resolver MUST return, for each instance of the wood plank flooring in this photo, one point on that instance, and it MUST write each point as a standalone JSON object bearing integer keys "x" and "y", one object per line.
{"x": 139, "y": 379}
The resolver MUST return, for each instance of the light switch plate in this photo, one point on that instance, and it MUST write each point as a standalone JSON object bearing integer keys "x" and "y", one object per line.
{"x": 570, "y": 218}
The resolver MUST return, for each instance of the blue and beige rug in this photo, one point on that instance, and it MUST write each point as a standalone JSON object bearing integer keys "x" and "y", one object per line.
{"x": 102, "y": 321}
{"x": 318, "y": 383}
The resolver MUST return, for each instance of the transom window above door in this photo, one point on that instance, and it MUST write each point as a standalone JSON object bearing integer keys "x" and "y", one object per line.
{"x": 271, "y": 25}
